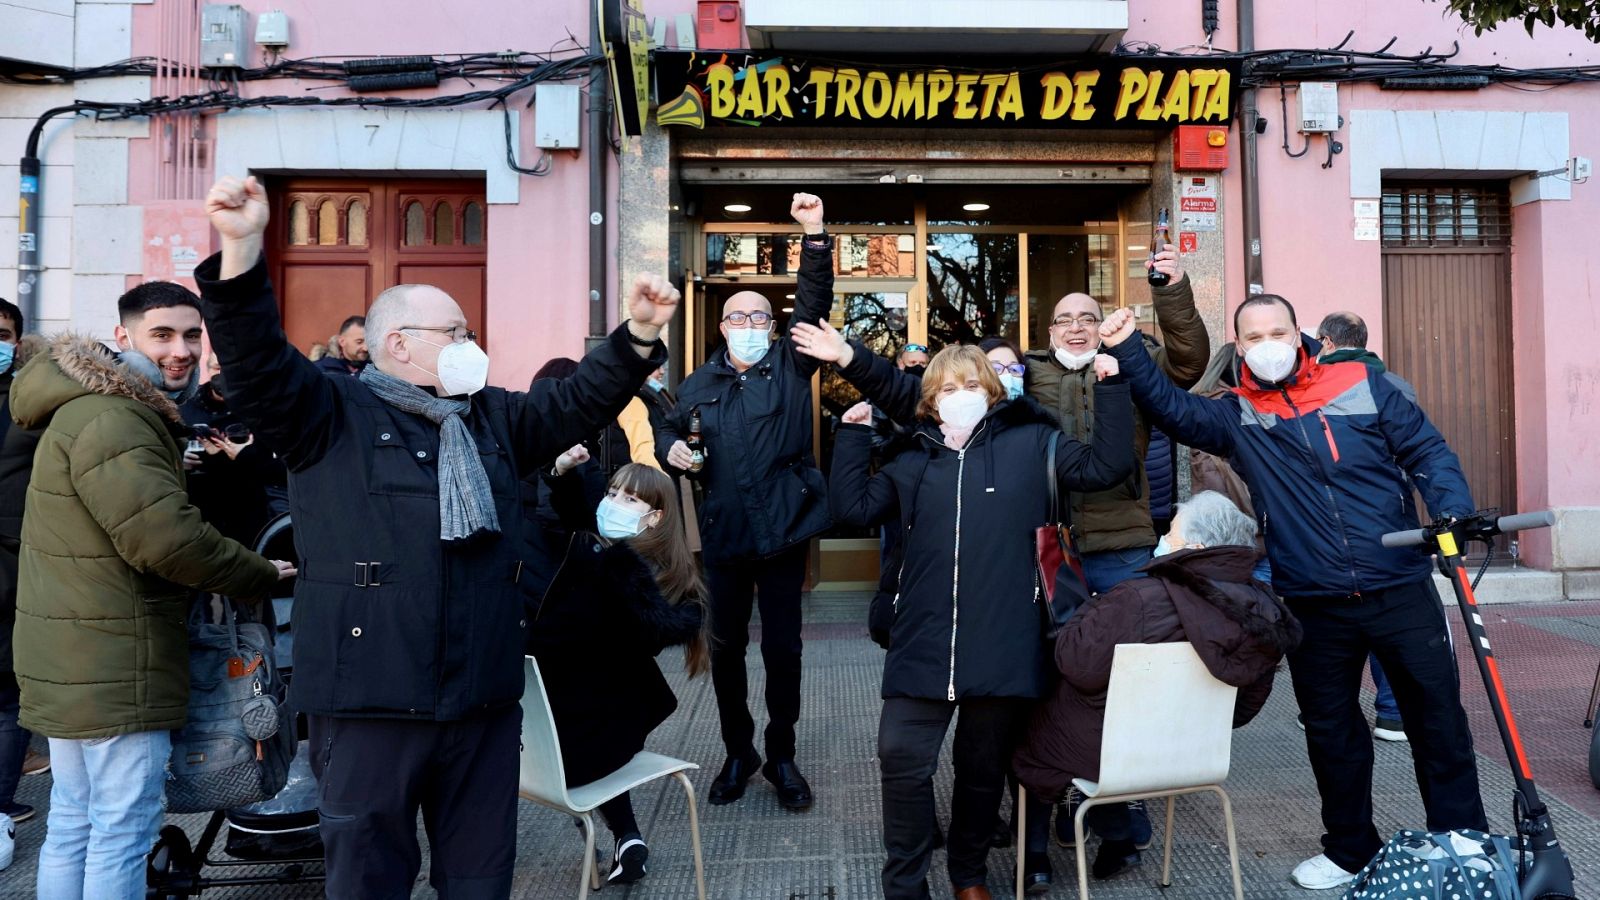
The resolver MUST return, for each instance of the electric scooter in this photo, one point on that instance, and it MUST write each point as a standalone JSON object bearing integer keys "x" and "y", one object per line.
{"x": 1544, "y": 873}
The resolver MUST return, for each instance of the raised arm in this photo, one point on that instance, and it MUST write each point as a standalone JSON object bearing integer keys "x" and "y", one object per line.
{"x": 1186, "y": 346}
{"x": 813, "y": 296}
{"x": 857, "y": 497}
{"x": 893, "y": 391}
{"x": 1109, "y": 458}
{"x": 288, "y": 404}
{"x": 559, "y": 412}
{"x": 1192, "y": 420}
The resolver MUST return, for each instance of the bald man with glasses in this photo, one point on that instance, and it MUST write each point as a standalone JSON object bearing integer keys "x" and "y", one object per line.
{"x": 764, "y": 501}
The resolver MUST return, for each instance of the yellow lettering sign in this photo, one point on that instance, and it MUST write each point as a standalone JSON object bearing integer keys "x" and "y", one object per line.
{"x": 848, "y": 82}
{"x": 877, "y": 94}
{"x": 1217, "y": 107}
{"x": 1082, "y": 92}
{"x": 750, "y": 104}
{"x": 719, "y": 82}
{"x": 1057, "y": 94}
{"x": 1201, "y": 81}
{"x": 1148, "y": 110}
{"x": 1011, "y": 98}
{"x": 965, "y": 83}
{"x": 1134, "y": 85}
{"x": 909, "y": 95}
{"x": 940, "y": 87}
{"x": 778, "y": 85}
{"x": 1177, "y": 103}
{"x": 820, "y": 79}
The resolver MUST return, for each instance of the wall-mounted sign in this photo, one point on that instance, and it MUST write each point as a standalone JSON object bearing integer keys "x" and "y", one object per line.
{"x": 625, "y": 30}
{"x": 698, "y": 89}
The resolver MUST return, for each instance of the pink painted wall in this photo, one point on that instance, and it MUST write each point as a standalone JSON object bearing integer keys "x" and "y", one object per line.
{"x": 538, "y": 276}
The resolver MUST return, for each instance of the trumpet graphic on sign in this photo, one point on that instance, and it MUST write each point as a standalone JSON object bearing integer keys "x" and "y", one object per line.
{"x": 689, "y": 109}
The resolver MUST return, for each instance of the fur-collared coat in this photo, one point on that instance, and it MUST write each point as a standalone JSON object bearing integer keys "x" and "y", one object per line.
{"x": 111, "y": 549}
{"x": 1238, "y": 627}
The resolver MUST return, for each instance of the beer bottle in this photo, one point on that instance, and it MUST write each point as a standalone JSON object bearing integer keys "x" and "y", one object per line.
{"x": 696, "y": 443}
{"x": 1162, "y": 237}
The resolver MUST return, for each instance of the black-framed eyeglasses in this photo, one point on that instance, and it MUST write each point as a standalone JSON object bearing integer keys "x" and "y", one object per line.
{"x": 754, "y": 319}
{"x": 1083, "y": 321}
{"x": 459, "y": 334}
{"x": 1017, "y": 369}
{"x": 914, "y": 348}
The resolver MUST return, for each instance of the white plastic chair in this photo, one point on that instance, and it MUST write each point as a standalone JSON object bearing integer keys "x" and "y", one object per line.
{"x": 1168, "y": 731}
{"x": 544, "y": 781}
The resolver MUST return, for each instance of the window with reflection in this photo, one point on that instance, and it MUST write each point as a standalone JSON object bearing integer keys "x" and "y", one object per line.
{"x": 472, "y": 224}
{"x": 356, "y": 224}
{"x": 415, "y": 230}
{"x": 972, "y": 287}
{"x": 299, "y": 224}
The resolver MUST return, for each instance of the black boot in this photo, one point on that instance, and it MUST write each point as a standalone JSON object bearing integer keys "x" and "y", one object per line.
{"x": 794, "y": 792}
{"x": 1036, "y": 873}
{"x": 1115, "y": 857}
{"x": 735, "y": 774}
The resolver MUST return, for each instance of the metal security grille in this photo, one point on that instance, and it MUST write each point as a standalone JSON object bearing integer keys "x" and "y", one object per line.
{"x": 1449, "y": 214}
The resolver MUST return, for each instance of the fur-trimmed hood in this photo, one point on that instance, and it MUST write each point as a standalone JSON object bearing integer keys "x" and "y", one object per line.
{"x": 76, "y": 366}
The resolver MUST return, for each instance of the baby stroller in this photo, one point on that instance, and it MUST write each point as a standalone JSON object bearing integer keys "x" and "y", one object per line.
{"x": 276, "y": 840}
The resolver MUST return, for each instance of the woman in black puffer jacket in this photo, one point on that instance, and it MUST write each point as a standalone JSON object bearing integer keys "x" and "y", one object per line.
{"x": 967, "y": 634}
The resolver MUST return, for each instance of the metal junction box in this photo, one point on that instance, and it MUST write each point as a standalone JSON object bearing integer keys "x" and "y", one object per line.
{"x": 224, "y": 36}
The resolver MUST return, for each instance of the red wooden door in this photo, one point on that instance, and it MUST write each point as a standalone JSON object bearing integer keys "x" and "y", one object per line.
{"x": 337, "y": 243}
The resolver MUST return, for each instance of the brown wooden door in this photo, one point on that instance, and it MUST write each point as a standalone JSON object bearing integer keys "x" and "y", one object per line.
{"x": 338, "y": 243}
{"x": 1447, "y": 317}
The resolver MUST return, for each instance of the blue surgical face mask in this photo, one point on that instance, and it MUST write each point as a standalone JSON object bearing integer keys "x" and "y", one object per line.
{"x": 1162, "y": 547}
{"x": 657, "y": 385}
{"x": 1012, "y": 384}
{"x": 617, "y": 522}
{"x": 7, "y": 355}
{"x": 749, "y": 344}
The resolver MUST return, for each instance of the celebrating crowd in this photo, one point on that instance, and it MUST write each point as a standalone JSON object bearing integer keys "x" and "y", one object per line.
{"x": 598, "y": 519}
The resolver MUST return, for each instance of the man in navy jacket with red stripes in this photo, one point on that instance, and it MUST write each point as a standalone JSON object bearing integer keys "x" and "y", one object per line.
{"x": 1324, "y": 450}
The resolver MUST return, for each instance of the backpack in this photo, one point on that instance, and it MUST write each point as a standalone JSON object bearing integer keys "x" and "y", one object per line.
{"x": 239, "y": 740}
{"x": 1421, "y": 865}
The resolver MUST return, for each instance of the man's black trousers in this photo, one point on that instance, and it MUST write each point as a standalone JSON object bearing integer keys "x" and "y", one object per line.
{"x": 374, "y": 774}
{"x": 735, "y": 587}
{"x": 1405, "y": 627}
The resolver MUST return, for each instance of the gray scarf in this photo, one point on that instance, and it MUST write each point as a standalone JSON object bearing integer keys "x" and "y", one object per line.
{"x": 466, "y": 504}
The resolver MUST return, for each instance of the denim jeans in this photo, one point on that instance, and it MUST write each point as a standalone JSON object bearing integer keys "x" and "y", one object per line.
{"x": 1106, "y": 569}
{"x": 105, "y": 810}
{"x": 13, "y": 740}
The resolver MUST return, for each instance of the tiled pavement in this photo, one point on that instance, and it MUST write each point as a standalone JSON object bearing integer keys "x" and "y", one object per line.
{"x": 755, "y": 849}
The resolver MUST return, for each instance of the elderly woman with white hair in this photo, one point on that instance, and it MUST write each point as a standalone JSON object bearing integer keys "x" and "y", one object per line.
{"x": 1199, "y": 590}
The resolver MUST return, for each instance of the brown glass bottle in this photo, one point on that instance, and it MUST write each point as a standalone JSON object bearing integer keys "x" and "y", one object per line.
{"x": 1163, "y": 236}
{"x": 696, "y": 442}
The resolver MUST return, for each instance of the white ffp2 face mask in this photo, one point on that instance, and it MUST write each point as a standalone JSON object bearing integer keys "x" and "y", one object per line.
{"x": 1271, "y": 361}
{"x": 963, "y": 409}
{"x": 463, "y": 368}
{"x": 1075, "y": 361}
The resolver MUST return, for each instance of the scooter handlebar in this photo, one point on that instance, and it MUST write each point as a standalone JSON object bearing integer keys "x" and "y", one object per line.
{"x": 1405, "y": 538}
{"x": 1524, "y": 521}
{"x": 1518, "y": 522}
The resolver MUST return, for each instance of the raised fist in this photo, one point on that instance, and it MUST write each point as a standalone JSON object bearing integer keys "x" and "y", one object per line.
{"x": 807, "y": 210}
{"x": 652, "y": 301}
{"x": 1118, "y": 327}
{"x": 860, "y": 414}
{"x": 238, "y": 209}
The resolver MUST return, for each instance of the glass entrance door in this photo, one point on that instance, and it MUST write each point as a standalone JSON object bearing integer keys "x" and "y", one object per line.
{"x": 922, "y": 269}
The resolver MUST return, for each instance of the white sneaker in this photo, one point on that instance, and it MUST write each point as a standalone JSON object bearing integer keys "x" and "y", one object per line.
{"x": 1319, "y": 873}
{"x": 1389, "y": 730}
